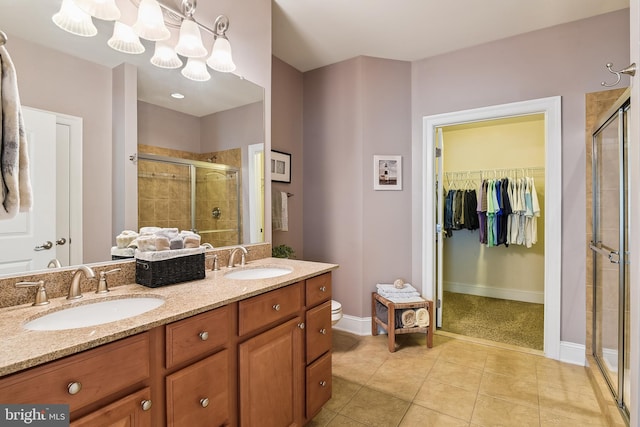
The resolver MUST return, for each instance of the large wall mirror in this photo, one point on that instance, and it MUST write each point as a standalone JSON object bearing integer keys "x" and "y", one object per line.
{"x": 217, "y": 126}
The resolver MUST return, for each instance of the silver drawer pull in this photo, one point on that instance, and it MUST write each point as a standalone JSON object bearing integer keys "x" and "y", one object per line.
{"x": 74, "y": 387}
{"x": 276, "y": 307}
{"x": 323, "y": 331}
{"x": 323, "y": 288}
{"x": 204, "y": 335}
{"x": 323, "y": 383}
{"x": 146, "y": 405}
{"x": 301, "y": 325}
{"x": 204, "y": 402}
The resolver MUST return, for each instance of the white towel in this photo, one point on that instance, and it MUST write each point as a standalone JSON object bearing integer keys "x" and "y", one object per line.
{"x": 284, "y": 199}
{"x": 389, "y": 288}
{"x": 15, "y": 183}
{"x": 422, "y": 317}
{"x": 408, "y": 318}
{"x": 404, "y": 300}
{"x": 279, "y": 211}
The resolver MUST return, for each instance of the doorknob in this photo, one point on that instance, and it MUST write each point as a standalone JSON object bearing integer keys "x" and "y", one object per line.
{"x": 61, "y": 241}
{"x": 45, "y": 246}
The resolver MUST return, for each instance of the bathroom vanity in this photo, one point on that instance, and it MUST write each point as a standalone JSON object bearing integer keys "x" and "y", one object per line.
{"x": 218, "y": 352}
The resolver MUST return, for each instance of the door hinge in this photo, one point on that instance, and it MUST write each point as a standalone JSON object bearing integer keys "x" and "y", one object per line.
{"x": 438, "y": 152}
{"x": 438, "y": 303}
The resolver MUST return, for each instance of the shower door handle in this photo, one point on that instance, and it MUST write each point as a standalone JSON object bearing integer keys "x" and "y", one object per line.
{"x": 612, "y": 254}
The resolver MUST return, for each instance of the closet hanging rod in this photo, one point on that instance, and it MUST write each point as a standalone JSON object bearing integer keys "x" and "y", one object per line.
{"x": 3, "y": 38}
{"x": 496, "y": 172}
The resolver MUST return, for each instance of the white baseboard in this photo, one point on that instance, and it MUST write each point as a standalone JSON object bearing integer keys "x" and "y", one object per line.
{"x": 573, "y": 353}
{"x": 491, "y": 292}
{"x": 356, "y": 325}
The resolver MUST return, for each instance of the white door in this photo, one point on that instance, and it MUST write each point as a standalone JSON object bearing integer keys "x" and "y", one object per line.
{"x": 27, "y": 242}
{"x": 63, "y": 193}
{"x": 256, "y": 193}
{"x": 439, "y": 161}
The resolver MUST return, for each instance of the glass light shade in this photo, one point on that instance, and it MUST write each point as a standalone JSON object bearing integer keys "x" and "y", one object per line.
{"x": 196, "y": 69}
{"x": 221, "y": 59}
{"x": 150, "y": 22}
{"x": 165, "y": 57}
{"x": 190, "y": 41}
{"x": 101, "y": 9}
{"x": 74, "y": 20}
{"x": 124, "y": 39}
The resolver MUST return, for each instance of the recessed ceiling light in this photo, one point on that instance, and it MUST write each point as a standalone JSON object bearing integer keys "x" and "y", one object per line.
{"x": 177, "y": 95}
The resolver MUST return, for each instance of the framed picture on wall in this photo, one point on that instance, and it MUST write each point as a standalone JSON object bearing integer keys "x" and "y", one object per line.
{"x": 280, "y": 166}
{"x": 387, "y": 172}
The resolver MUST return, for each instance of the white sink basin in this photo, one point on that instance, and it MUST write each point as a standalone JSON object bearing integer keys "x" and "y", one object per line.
{"x": 257, "y": 273}
{"x": 94, "y": 313}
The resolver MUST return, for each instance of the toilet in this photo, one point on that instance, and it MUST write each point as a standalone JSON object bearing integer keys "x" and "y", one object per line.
{"x": 336, "y": 312}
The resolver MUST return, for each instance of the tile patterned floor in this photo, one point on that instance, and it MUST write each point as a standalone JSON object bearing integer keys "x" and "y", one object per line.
{"x": 455, "y": 383}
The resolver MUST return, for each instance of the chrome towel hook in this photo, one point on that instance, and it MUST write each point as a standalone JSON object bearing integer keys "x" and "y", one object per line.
{"x": 630, "y": 70}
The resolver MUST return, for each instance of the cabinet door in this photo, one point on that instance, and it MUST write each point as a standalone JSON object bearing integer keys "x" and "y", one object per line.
{"x": 271, "y": 377}
{"x": 198, "y": 395}
{"x": 319, "y": 384}
{"x": 131, "y": 411}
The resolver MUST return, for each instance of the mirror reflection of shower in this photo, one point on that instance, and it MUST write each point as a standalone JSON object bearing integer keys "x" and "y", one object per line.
{"x": 202, "y": 196}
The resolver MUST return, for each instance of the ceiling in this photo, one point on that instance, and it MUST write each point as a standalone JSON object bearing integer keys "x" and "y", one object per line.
{"x": 308, "y": 34}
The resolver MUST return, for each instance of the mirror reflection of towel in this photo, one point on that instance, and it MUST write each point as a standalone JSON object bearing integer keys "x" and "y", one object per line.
{"x": 279, "y": 211}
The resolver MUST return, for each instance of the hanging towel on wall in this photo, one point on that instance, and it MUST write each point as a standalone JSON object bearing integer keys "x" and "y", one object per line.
{"x": 279, "y": 211}
{"x": 15, "y": 185}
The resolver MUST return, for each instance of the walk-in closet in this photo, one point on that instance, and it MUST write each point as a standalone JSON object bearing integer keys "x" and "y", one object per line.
{"x": 491, "y": 194}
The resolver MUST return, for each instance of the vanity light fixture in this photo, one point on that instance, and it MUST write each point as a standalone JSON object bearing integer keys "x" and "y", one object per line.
{"x": 221, "y": 59}
{"x": 153, "y": 17}
{"x": 74, "y": 20}
{"x": 106, "y": 10}
{"x": 165, "y": 56}
{"x": 150, "y": 23}
{"x": 196, "y": 70}
{"x": 125, "y": 39}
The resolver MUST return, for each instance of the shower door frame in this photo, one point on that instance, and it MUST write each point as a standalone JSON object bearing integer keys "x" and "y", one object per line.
{"x": 193, "y": 164}
{"x": 621, "y": 255}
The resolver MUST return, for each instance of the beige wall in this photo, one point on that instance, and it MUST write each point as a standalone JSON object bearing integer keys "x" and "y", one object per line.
{"x": 59, "y": 83}
{"x": 566, "y": 60}
{"x": 513, "y": 272}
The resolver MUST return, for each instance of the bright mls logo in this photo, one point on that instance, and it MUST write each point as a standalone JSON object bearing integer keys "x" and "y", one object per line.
{"x": 34, "y": 415}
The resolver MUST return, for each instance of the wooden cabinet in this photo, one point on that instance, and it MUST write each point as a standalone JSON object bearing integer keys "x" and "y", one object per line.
{"x": 131, "y": 411}
{"x": 198, "y": 395}
{"x": 84, "y": 380}
{"x": 318, "y": 384}
{"x": 271, "y": 374}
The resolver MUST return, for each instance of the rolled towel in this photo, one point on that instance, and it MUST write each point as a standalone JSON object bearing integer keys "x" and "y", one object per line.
{"x": 162, "y": 243}
{"x": 177, "y": 243}
{"x": 144, "y": 243}
{"x": 149, "y": 230}
{"x": 125, "y": 238}
{"x": 408, "y": 318}
{"x": 422, "y": 317}
{"x": 191, "y": 241}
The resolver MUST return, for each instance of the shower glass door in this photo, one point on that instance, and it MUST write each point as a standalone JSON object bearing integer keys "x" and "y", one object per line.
{"x": 609, "y": 249}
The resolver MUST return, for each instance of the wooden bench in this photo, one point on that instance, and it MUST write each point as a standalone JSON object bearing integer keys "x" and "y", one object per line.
{"x": 389, "y": 324}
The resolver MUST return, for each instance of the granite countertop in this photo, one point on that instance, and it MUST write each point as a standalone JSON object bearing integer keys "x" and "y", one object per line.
{"x": 24, "y": 348}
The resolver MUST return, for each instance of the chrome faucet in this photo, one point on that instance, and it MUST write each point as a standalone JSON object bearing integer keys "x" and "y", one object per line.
{"x": 233, "y": 254}
{"x": 74, "y": 289}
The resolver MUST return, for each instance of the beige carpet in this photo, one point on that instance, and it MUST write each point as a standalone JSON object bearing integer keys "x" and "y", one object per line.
{"x": 510, "y": 322}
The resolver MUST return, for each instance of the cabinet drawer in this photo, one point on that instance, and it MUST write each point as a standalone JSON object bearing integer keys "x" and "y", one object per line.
{"x": 198, "y": 395}
{"x": 318, "y": 289}
{"x": 197, "y": 335}
{"x": 264, "y": 309}
{"x": 318, "y": 384}
{"x": 98, "y": 373}
{"x": 318, "y": 331}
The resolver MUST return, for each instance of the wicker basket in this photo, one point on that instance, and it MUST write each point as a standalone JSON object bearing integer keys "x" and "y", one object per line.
{"x": 178, "y": 269}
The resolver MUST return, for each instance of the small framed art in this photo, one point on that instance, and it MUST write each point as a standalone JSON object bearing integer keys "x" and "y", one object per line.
{"x": 280, "y": 166}
{"x": 387, "y": 172}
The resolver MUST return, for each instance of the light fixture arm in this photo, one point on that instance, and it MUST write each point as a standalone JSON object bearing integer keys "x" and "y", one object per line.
{"x": 221, "y": 26}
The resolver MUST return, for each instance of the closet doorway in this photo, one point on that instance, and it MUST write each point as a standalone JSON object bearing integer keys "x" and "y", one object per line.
{"x": 459, "y": 262}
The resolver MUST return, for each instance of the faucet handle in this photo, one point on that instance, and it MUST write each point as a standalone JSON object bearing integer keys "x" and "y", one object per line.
{"x": 41, "y": 292}
{"x": 215, "y": 266}
{"x": 103, "y": 286}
